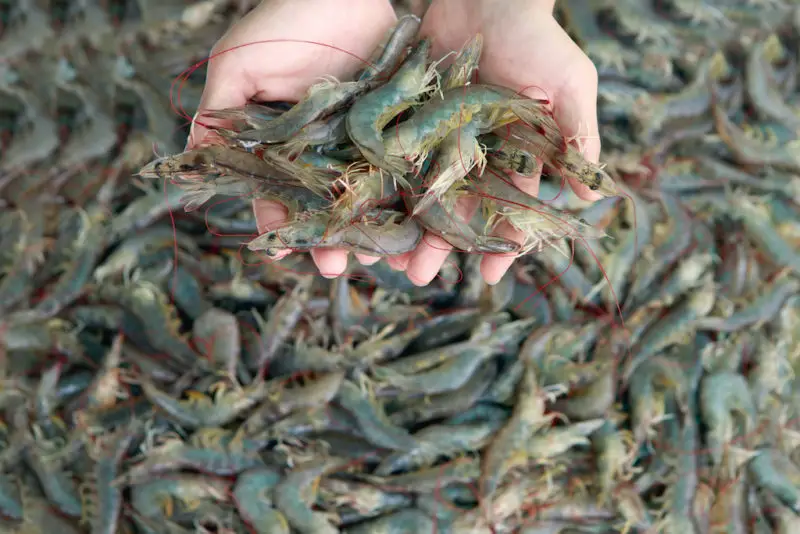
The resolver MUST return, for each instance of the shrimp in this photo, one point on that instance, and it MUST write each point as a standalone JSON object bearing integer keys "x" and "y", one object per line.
{"x": 372, "y": 420}
{"x": 458, "y": 153}
{"x": 490, "y": 107}
{"x": 441, "y": 219}
{"x": 774, "y": 472}
{"x": 507, "y": 449}
{"x": 372, "y": 112}
{"x": 366, "y": 188}
{"x": 321, "y": 100}
{"x": 531, "y": 135}
{"x": 541, "y": 223}
{"x": 253, "y": 115}
{"x": 406, "y": 521}
{"x": 288, "y": 497}
{"x": 722, "y": 395}
{"x": 762, "y": 86}
{"x": 156, "y": 499}
{"x": 381, "y": 233}
{"x": 402, "y": 34}
{"x": 466, "y": 62}
{"x": 253, "y": 496}
{"x": 749, "y": 151}
{"x": 216, "y": 161}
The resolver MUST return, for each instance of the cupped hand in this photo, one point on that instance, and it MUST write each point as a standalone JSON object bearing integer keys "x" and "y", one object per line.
{"x": 244, "y": 67}
{"x": 526, "y": 50}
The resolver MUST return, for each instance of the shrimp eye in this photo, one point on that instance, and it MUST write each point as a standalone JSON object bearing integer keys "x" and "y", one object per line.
{"x": 584, "y": 221}
{"x": 271, "y": 252}
{"x": 209, "y": 526}
{"x": 301, "y": 241}
{"x": 272, "y": 237}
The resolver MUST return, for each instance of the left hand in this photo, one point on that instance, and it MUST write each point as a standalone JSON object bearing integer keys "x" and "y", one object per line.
{"x": 526, "y": 50}
{"x": 305, "y": 40}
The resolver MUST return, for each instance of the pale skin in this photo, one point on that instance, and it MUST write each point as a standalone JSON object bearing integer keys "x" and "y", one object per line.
{"x": 524, "y": 49}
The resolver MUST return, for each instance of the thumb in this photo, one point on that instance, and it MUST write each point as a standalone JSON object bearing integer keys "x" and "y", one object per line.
{"x": 223, "y": 89}
{"x": 576, "y": 114}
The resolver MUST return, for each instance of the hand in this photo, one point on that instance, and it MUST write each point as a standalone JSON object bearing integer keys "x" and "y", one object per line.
{"x": 526, "y": 50}
{"x": 282, "y": 71}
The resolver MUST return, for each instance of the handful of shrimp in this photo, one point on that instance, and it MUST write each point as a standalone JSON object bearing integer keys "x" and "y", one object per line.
{"x": 403, "y": 129}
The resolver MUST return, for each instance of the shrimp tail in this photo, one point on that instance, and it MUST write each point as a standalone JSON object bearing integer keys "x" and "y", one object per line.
{"x": 197, "y": 195}
{"x": 294, "y": 147}
{"x": 531, "y": 112}
{"x": 223, "y": 134}
{"x": 317, "y": 180}
{"x": 226, "y": 114}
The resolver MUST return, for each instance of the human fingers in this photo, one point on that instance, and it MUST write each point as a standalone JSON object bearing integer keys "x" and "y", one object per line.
{"x": 429, "y": 256}
{"x": 331, "y": 262}
{"x": 575, "y": 111}
{"x": 270, "y": 215}
{"x": 363, "y": 259}
{"x": 282, "y": 46}
{"x": 225, "y": 85}
{"x": 399, "y": 262}
{"x": 494, "y": 266}
{"x": 221, "y": 91}
{"x": 427, "y": 259}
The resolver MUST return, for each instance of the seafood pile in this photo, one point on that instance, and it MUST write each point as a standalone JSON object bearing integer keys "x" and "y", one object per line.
{"x": 634, "y": 371}
{"x": 349, "y": 191}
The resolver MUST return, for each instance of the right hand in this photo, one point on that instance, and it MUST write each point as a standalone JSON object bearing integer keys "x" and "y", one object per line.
{"x": 525, "y": 49}
{"x": 347, "y": 32}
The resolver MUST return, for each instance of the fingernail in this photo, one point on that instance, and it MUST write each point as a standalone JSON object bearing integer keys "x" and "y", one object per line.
{"x": 191, "y": 133}
{"x": 368, "y": 261}
{"x": 419, "y": 282}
